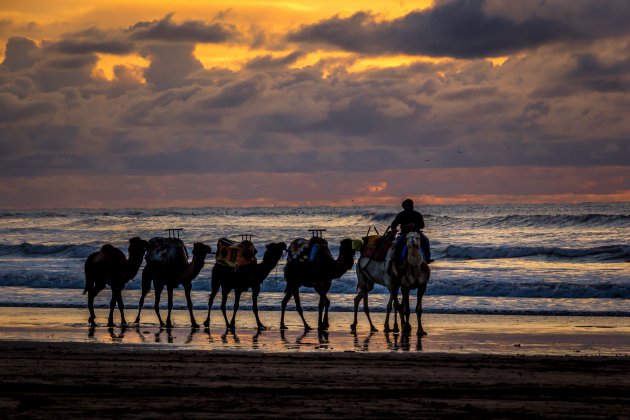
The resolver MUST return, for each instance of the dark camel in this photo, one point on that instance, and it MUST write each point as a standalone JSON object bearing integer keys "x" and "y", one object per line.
{"x": 241, "y": 279}
{"x": 319, "y": 275}
{"x": 109, "y": 266}
{"x": 172, "y": 274}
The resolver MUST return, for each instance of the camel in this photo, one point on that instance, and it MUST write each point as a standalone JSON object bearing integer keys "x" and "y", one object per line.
{"x": 369, "y": 273}
{"x": 242, "y": 278}
{"x": 109, "y": 266}
{"x": 412, "y": 274}
{"x": 318, "y": 274}
{"x": 172, "y": 272}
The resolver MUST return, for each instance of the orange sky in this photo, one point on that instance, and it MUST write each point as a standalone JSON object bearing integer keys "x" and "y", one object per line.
{"x": 312, "y": 102}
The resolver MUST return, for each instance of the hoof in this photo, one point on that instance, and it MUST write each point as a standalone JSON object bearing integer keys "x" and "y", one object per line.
{"x": 194, "y": 326}
{"x": 284, "y": 327}
{"x": 307, "y": 328}
{"x": 169, "y": 325}
{"x": 373, "y": 329}
{"x": 421, "y": 333}
{"x": 262, "y": 328}
{"x": 353, "y": 328}
{"x": 206, "y": 323}
{"x": 111, "y": 324}
{"x": 395, "y": 330}
{"x": 137, "y": 321}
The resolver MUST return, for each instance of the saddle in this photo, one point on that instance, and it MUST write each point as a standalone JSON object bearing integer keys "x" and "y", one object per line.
{"x": 375, "y": 247}
{"x": 235, "y": 254}
{"x": 166, "y": 250}
{"x": 308, "y": 250}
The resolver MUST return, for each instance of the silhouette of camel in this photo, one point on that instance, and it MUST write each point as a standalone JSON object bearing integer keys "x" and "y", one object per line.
{"x": 318, "y": 274}
{"x": 241, "y": 279}
{"x": 412, "y": 273}
{"x": 172, "y": 272}
{"x": 109, "y": 266}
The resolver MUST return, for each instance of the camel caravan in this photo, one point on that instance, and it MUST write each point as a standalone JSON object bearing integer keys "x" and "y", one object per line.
{"x": 309, "y": 263}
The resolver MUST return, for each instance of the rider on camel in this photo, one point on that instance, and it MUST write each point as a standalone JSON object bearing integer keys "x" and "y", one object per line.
{"x": 410, "y": 220}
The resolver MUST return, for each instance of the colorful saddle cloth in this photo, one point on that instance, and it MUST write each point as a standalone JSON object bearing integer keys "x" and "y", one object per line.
{"x": 234, "y": 254}
{"x": 308, "y": 250}
{"x": 166, "y": 250}
{"x": 375, "y": 247}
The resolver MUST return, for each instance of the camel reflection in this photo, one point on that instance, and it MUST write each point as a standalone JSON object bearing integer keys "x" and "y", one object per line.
{"x": 365, "y": 345}
{"x": 298, "y": 341}
{"x": 117, "y": 338}
{"x": 169, "y": 335}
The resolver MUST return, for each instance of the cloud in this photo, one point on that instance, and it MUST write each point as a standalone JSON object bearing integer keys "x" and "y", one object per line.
{"x": 170, "y": 64}
{"x": 21, "y": 53}
{"x": 187, "y": 31}
{"x": 469, "y": 29}
{"x": 12, "y": 109}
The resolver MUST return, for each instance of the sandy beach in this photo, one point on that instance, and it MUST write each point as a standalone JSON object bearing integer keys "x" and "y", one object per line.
{"x": 53, "y": 365}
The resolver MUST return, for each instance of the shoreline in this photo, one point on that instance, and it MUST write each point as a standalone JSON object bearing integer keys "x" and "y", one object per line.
{"x": 447, "y": 333}
{"x": 98, "y": 380}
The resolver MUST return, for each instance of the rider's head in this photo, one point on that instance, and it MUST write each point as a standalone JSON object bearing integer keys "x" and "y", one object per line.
{"x": 407, "y": 204}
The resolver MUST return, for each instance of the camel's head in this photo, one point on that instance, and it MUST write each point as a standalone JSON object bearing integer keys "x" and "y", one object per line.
{"x": 276, "y": 249}
{"x": 413, "y": 245}
{"x": 200, "y": 250}
{"x": 137, "y": 246}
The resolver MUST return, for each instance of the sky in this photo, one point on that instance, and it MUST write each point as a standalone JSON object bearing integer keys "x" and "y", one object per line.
{"x": 266, "y": 103}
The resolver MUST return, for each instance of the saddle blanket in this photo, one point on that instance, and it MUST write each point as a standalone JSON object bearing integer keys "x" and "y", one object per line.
{"x": 308, "y": 250}
{"x": 166, "y": 250}
{"x": 234, "y": 254}
{"x": 375, "y": 247}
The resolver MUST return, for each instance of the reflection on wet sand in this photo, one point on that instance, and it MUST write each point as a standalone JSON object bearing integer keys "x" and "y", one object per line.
{"x": 266, "y": 340}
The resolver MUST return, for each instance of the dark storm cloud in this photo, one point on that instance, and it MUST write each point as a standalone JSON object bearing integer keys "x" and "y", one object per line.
{"x": 21, "y": 53}
{"x": 591, "y": 73}
{"x": 235, "y": 95}
{"x": 170, "y": 64}
{"x": 268, "y": 62}
{"x": 466, "y": 29}
{"x": 187, "y": 31}
{"x": 14, "y": 110}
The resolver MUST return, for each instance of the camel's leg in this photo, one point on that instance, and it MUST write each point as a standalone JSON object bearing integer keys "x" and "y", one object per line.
{"x": 421, "y": 330}
{"x": 146, "y": 287}
{"x": 255, "y": 293}
{"x": 357, "y": 300}
{"x": 287, "y": 296}
{"x": 92, "y": 293}
{"x": 389, "y": 311}
{"x": 298, "y": 307}
{"x": 224, "y": 297}
{"x": 320, "y": 311}
{"x": 215, "y": 286}
{"x": 121, "y": 307}
{"x": 237, "y": 302}
{"x": 397, "y": 309}
{"x": 405, "y": 312}
{"x": 326, "y": 307}
{"x": 187, "y": 290}
{"x": 156, "y": 306}
{"x": 112, "y": 306}
{"x": 366, "y": 309}
{"x": 169, "y": 291}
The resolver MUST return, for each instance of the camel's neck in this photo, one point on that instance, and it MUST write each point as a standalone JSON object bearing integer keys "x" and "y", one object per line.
{"x": 133, "y": 264}
{"x": 342, "y": 264}
{"x": 193, "y": 269}
{"x": 264, "y": 268}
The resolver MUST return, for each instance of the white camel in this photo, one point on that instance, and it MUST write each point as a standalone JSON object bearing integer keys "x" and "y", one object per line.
{"x": 412, "y": 273}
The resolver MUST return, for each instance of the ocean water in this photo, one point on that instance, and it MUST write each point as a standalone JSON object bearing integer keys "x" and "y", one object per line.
{"x": 508, "y": 259}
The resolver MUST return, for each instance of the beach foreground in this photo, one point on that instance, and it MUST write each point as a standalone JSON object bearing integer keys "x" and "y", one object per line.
{"x": 40, "y": 379}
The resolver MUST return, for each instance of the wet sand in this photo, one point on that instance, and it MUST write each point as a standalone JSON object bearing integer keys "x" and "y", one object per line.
{"x": 98, "y": 380}
{"x": 53, "y": 365}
